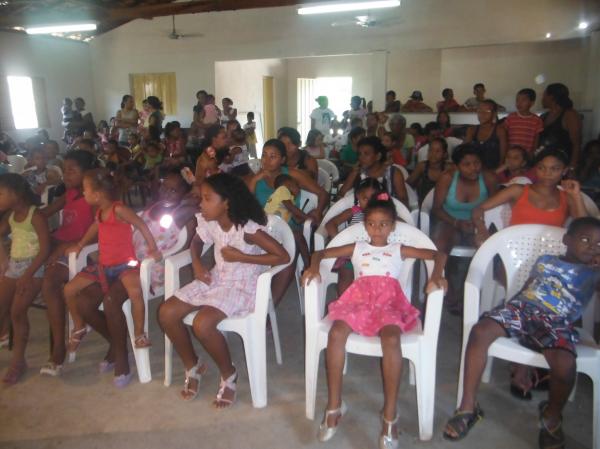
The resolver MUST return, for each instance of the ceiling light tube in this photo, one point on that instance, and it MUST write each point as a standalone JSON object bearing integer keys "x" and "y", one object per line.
{"x": 70, "y": 28}
{"x": 347, "y": 6}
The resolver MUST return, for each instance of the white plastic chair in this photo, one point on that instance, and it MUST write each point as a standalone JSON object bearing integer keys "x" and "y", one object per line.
{"x": 419, "y": 346}
{"x": 519, "y": 180}
{"x": 142, "y": 355}
{"x": 519, "y": 247}
{"x": 254, "y": 165}
{"x": 324, "y": 180}
{"x": 346, "y": 203}
{"x": 402, "y": 170}
{"x": 252, "y": 327}
{"x": 17, "y": 163}
{"x": 413, "y": 198}
{"x": 330, "y": 168}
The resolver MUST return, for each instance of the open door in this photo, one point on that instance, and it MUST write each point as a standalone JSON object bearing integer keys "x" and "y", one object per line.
{"x": 268, "y": 108}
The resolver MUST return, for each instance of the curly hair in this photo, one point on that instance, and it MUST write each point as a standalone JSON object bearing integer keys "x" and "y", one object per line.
{"x": 21, "y": 188}
{"x": 243, "y": 205}
{"x": 102, "y": 180}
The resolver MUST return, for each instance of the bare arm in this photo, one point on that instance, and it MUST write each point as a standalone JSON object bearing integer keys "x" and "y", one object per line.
{"x": 470, "y": 135}
{"x": 298, "y": 214}
{"x": 56, "y": 205}
{"x": 399, "y": 187}
{"x": 501, "y": 133}
{"x": 439, "y": 196}
{"x": 332, "y": 225}
{"x": 129, "y": 216}
{"x": 275, "y": 253}
{"x": 573, "y": 125}
{"x": 310, "y": 185}
{"x": 312, "y": 272}
{"x": 349, "y": 182}
{"x": 439, "y": 262}
{"x": 312, "y": 167}
{"x": 574, "y": 199}
{"x": 413, "y": 178}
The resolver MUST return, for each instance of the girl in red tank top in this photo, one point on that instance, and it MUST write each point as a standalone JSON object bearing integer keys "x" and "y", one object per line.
{"x": 113, "y": 228}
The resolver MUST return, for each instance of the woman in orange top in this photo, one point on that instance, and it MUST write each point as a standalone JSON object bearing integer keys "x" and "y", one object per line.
{"x": 539, "y": 203}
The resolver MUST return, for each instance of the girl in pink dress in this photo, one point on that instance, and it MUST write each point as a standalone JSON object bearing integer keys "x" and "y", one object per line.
{"x": 373, "y": 305}
{"x": 232, "y": 221}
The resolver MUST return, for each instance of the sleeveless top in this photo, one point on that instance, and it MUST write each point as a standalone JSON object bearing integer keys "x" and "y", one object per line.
{"x": 369, "y": 260}
{"x": 555, "y": 135}
{"x": 387, "y": 179}
{"x": 77, "y": 217}
{"x": 25, "y": 242}
{"x": 302, "y": 160}
{"x": 459, "y": 210}
{"x": 489, "y": 149}
{"x": 523, "y": 212}
{"x": 115, "y": 239}
{"x": 127, "y": 115}
{"x": 263, "y": 191}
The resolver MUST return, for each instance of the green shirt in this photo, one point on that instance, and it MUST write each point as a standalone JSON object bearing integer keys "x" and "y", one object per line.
{"x": 348, "y": 155}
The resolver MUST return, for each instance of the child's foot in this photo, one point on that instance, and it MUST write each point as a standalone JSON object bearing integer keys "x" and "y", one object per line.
{"x": 331, "y": 419}
{"x": 122, "y": 380}
{"x": 551, "y": 433}
{"x": 75, "y": 339}
{"x": 4, "y": 341}
{"x": 193, "y": 377}
{"x": 51, "y": 369}
{"x": 142, "y": 341}
{"x": 226, "y": 394}
{"x": 105, "y": 366}
{"x": 389, "y": 434}
{"x": 14, "y": 373}
{"x": 461, "y": 423}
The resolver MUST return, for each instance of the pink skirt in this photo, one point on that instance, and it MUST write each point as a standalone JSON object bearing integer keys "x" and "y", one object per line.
{"x": 373, "y": 302}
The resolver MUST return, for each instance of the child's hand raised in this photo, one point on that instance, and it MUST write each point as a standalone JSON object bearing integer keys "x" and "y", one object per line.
{"x": 571, "y": 187}
{"x": 309, "y": 275}
{"x": 231, "y": 254}
{"x": 436, "y": 284}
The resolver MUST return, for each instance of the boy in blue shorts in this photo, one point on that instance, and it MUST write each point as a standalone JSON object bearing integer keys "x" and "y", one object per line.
{"x": 542, "y": 317}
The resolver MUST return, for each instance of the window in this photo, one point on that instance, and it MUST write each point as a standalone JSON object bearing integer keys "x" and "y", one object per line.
{"x": 22, "y": 102}
{"x": 161, "y": 85}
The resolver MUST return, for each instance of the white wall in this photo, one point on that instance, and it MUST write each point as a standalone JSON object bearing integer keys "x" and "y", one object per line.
{"x": 242, "y": 81}
{"x": 65, "y": 66}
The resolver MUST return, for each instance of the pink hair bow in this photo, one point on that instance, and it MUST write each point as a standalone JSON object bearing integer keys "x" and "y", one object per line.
{"x": 383, "y": 196}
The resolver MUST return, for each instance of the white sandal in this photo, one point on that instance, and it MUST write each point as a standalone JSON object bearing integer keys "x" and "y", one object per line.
{"x": 387, "y": 440}
{"x": 51, "y": 369}
{"x": 196, "y": 373}
{"x": 231, "y": 384}
{"x": 326, "y": 433}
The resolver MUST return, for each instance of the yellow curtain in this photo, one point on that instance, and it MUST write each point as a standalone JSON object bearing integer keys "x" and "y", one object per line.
{"x": 161, "y": 85}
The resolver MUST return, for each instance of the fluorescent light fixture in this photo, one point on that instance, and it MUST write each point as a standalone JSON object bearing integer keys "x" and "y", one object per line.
{"x": 62, "y": 28}
{"x": 583, "y": 25}
{"x": 347, "y": 6}
{"x": 548, "y": 35}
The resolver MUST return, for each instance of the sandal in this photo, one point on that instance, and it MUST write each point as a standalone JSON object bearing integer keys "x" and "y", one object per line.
{"x": 196, "y": 373}
{"x": 75, "y": 339}
{"x": 387, "y": 440}
{"x": 550, "y": 438}
{"x": 142, "y": 341}
{"x": 14, "y": 373}
{"x": 461, "y": 423}
{"x": 229, "y": 384}
{"x": 326, "y": 433}
{"x": 51, "y": 369}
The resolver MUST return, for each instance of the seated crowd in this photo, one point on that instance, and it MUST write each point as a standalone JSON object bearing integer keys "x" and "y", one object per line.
{"x": 202, "y": 179}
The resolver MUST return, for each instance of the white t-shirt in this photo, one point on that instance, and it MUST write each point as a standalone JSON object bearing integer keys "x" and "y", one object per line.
{"x": 323, "y": 119}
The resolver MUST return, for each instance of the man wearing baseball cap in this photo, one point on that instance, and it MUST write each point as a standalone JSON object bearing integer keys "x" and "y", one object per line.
{"x": 415, "y": 103}
{"x": 322, "y": 117}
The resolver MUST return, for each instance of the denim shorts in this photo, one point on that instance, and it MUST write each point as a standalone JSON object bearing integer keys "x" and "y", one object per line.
{"x": 107, "y": 275}
{"x": 17, "y": 267}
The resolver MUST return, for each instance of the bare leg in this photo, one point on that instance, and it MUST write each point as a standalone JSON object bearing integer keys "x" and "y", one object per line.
{"x": 55, "y": 277}
{"x": 391, "y": 366}
{"x": 131, "y": 282}
{"x": 7, "y": 293}
{"x": 117, "y": 325}
{"x": 205, "y": 329}
{"x": 282, "y": 280}
{"x": 302, "y": 247}
{"x": 445, "y": 237}
{"x": 345, "y": 278}
{"x": 72, "y": 289}
{"x": 22, "y": 301}
{"x": 88, "y": 305}
{"x": 336, "y": 356}
{"x": 562, "y": 378}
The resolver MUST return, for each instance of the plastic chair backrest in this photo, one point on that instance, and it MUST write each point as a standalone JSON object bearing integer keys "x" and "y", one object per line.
{"x": 254, "y": 165}
{"x": 308, "y": 201}
{"x": 17, "y": 163}
{"x": 402, "y": 170}
{"x": 499, "y": 216}
{"x": 590, "y": 205}
{"x": 427, "y": 203}
{"x": 330, "y": 168}
{"x": 280, "y": 231}
{"x": 519, "y": 180}
{"x": 519, "y": 247}
{"x": 403, "y": 233}
{"x": 401, "y": 209}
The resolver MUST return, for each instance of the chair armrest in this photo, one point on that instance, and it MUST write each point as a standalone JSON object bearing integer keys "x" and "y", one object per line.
{"x": 172, "y": 266}
{"x": 319, "y": 237}
{"x": 307, "y": 230}
{"x": 433, "y": 314}
{"x": 146, "y": 276}
{"x": 314, "y": 303}
{"x": 79, "y": 261}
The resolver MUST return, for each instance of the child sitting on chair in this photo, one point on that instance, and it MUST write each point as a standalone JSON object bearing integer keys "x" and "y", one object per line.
{"x": 542, "y": 316}
{"x": 282, "y": 203}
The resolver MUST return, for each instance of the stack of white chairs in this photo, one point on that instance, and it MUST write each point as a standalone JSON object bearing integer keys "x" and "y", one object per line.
{"x": 252, "y": 327}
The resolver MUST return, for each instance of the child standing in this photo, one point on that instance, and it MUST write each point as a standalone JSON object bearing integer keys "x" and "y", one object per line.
{"x": 232, "y": 220}
{"x": 373, "y": 305}
{"x": 21, "y": 274}
{"x": 117, "y": 259}
{"x": 542, "y": 317}
{"x": 523, "y": 126}
{"x": 250, "y": 129}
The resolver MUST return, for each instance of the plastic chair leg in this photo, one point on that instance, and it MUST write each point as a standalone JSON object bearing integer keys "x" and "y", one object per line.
{"x": 142, "y": 355}
{"x": 275, "y": 332}
{"x": 487, "y": 372}
{"x": 311, "y": 375}
{"x": 168, "y": 361}
{"x": 256, "y": 362}
{"x": 425, "y": 377}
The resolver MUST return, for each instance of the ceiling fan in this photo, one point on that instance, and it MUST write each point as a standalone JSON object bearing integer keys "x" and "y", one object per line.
{"x": 366, "y": 21}
{"x": 175, "y": 35}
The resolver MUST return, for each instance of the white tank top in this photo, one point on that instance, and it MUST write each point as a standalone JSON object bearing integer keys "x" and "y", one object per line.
{"x": 369, "y": 260}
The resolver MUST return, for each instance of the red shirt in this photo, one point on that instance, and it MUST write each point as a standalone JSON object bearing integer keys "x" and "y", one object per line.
{"x": 77, "y": 217}
{"x": 115, "y": 239}
{"x": 523, "y": 129}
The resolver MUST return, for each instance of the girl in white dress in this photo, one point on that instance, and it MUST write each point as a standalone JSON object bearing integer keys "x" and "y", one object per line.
{"x": 233, "y": 221}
